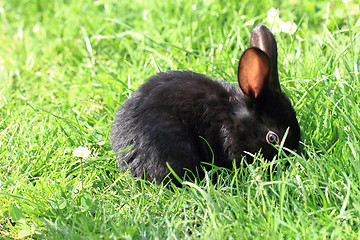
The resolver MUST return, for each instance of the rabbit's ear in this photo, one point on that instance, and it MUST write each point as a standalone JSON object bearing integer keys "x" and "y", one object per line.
{"x": 262, "y": 38}
{"x": 253, "y": 72}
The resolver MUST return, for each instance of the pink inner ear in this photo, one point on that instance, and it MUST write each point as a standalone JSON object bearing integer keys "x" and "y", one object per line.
{"x": 253, "y": 72}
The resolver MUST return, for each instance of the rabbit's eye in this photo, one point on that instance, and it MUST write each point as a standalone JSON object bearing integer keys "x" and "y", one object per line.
{"x": 272, "y": 138}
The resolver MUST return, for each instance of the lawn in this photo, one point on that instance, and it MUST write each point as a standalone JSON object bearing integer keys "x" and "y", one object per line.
{"x": 66, "y": 66}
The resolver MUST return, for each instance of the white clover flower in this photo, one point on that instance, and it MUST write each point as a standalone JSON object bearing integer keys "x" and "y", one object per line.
{"x": 277, "y": 26}
{"x": 274, "y": 20}
{"x": 288, "y": 27}
{"x": 273, "y": 15}
{"x": 81, "y": 152}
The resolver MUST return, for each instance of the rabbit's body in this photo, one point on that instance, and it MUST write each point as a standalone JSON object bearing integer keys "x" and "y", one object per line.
{"x": 184, "y": 118}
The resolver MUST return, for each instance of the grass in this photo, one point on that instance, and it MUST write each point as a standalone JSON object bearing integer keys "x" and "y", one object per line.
{"x": 66, "y": 66}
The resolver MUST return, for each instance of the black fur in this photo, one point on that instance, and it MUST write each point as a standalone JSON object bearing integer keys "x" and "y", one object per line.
{"x": 167, "y": 119}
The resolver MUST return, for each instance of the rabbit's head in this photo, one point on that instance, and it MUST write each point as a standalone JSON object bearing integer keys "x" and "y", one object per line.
{"x": 268, "y": 118}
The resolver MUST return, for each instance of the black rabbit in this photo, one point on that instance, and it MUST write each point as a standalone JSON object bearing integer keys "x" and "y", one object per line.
{"x": 177, "y": 115}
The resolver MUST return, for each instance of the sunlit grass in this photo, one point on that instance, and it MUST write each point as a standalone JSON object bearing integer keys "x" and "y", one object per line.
{"x": 66, "y": 66}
